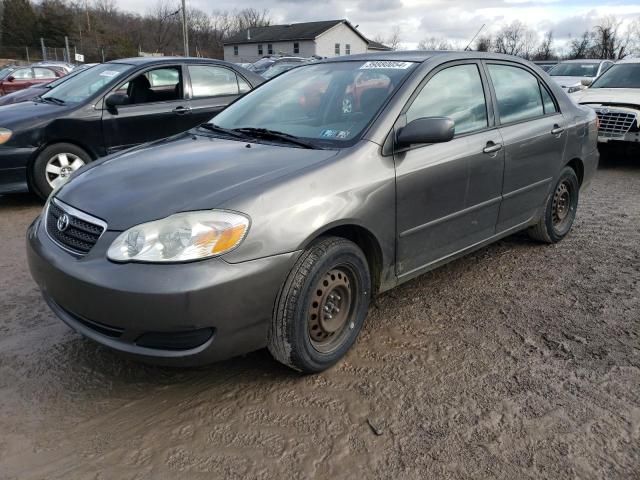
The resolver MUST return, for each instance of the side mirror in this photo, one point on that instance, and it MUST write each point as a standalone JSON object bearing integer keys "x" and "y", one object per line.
{"x": 586, "y": 82}
{"x": 116, "y": 100}
{"x": 426, "y": 130}
{"x": 10, "y": 78}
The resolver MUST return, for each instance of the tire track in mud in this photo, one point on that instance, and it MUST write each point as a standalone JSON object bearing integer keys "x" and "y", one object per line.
{"x": 518, "y": 361}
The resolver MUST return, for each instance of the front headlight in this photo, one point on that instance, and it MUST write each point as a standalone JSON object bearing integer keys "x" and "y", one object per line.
{"x": 181, "y": 237}
{"x": 575, "y": 88}
{"x": 5, "y": 135}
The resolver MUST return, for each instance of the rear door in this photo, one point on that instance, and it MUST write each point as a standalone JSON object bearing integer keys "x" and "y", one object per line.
{"x": 212, "y": 88}
{"x": 448, "y": 194}
{"x": 157, "y": 108}
{"x": 43, "y": 75}
{"x": 533, "y": 131}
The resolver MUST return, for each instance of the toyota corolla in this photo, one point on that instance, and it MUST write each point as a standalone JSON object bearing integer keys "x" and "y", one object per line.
{"x": 274, "y": 224}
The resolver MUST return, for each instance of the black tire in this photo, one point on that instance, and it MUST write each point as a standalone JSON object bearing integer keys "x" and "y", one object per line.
{"x": 39, "y": 181}
{"x": 295, "y": 337}
{"x": 560, "y": 209}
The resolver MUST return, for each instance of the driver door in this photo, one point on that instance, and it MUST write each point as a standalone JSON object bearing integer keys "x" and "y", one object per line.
{"x": 448, "y": 194}
{"x": 156, "y": 109}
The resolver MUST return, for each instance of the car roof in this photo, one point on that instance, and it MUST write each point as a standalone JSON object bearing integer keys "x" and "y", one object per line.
{"x": 161, "y": 60}
{"x": 421, "y": 56}
{"x": 585, "y": 60}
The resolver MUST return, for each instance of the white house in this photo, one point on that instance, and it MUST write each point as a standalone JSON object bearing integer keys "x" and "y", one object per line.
{"x": 329, "y": 38}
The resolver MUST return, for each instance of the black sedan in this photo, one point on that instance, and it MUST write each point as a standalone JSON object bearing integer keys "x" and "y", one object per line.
{"x": 110, "y": 107}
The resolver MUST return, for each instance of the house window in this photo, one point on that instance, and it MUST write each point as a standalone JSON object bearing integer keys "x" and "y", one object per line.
{"x": 260, "y": 49}
{"x": 235, "y": 49}
{"x": 296, "y": 47}
{"x": 337, "y": 51}
{"x": 347, "y": 49}
{"x": 270, "y": 48}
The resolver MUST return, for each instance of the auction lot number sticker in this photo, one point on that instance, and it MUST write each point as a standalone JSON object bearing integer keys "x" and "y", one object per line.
{"x": 386, "y": 64}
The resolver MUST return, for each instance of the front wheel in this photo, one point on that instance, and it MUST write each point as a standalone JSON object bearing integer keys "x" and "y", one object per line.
{"x": 560, "y": 209}
{"x": 321, "y": 306}
{"x": 55, "y": 164}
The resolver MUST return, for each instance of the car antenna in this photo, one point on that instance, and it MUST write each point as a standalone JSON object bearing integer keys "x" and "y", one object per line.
{"x": 467, "y": 48}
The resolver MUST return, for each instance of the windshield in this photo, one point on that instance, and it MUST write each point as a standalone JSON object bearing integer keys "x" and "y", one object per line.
{"x": 69, "y": 76}
{"x": 622, "y": 75}
{"x": 5, "y": 72}
{"x": 574, "y": 69}
{"x": 87, "y": 82}
{"x": 327, "y": 104}
{"x": 277, "y": 69}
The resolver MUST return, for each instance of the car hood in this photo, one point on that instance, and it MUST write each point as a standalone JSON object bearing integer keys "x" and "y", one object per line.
{"x": 22, "y": 95}
{"x": 184, "y": 173}
{"x": 608, "y": 95}
{"x": 566, "y": 82}
{"x": 28, "y": 113}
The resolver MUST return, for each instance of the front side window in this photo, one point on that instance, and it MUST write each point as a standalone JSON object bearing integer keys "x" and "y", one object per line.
{"x": 327, "y": 104}
{"x": 621, "y": 75}
{"x": 88, "y": 82}
{"x": 457, "y": 93}
{"x": 337, "y": 49}
{"x": 157, "y": 85}
{"x": 517, "y": 92}
{"x": 23, "y": 74}
{"x": 296, "y": 47}
{"x": 211, "y": 81}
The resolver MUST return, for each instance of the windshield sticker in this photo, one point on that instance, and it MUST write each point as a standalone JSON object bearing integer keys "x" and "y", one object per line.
{"x": 109, "y": 73}
{"x": 343, "y": 134}
{"x": 329, "y": 133}
{"x": 386, "y": 64}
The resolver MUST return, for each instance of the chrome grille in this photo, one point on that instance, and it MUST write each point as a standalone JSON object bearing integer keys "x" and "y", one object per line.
{"x": 615, "y": 123}
{"x": 81, "y": 233}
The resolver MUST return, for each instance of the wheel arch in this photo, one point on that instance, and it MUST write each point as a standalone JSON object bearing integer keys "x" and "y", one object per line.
{"x": 578, "y": 166}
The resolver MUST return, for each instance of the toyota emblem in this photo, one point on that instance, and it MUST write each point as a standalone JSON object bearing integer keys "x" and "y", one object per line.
{"x": 63, "y": 222}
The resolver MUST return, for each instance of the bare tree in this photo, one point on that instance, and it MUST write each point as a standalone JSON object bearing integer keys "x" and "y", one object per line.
{"x": 545, "y": 50}
{"x": 516, "y": 39}
{"x": 581, "y": 46}
{"x": 609, "y": 41}
{"x": 392, "y": 41}
{"x": 435, "y": 43}
{"x": 484, "y": 43}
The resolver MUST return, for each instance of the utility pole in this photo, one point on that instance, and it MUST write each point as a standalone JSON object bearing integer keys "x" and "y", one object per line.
{"x": 44, "y": 50}
{"x": 27, "y": 48}
{"x": 66, "y": 46}
{"x": 185, "y": 30}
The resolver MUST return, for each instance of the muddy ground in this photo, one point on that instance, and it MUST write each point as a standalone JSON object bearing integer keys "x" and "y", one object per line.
{"x": 519, "y": 361}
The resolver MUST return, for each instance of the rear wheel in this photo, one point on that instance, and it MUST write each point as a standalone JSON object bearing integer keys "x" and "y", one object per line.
{"x": 560, "y": 210}
{"x": 54, "y": 166}
{"x": 321, "y": 307}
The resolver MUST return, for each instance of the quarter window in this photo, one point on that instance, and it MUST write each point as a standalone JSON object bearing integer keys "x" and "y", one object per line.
{"x": 457, "y": 93}
{"x": 208, "y": 81}
{"x": 296, "y": 47}
{"x": 517, "y": 92}
{"x": 337, "y": 49}
{"x": 547, "y": 101}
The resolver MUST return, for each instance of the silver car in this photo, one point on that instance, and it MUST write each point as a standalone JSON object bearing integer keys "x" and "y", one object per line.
{"x": 276, "y": 223}
{"x": 576, "y": 75}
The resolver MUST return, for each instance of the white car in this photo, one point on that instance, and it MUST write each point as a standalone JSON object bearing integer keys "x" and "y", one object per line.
{"x": 615, "y": 97}
{"x": 576, "y": 75}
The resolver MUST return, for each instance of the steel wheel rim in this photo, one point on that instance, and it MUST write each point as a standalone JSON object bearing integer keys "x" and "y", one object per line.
{"x": 562, "y": 207}
{"x": 60, "y": 167}
{"x": 330, "y": 317}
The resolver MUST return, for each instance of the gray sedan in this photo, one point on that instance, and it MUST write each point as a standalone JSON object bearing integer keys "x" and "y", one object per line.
{"x": 274, "y": 224}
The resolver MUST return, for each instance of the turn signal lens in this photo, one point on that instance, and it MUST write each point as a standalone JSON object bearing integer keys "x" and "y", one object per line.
{"x": 181, "y": 238}
{"x": 5, "y": 135}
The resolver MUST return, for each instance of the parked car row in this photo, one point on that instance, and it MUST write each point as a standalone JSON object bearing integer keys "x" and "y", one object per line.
{"x": 106, "y": 108}
{"x": 274, "y": 223}
{"x": 14, "y": 78}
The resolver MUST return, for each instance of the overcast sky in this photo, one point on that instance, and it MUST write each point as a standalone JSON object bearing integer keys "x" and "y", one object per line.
{"x": 456, "y": 20}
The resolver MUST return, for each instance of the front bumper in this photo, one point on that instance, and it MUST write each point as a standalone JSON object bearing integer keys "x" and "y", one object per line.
{"x": 13, "y": 169}
{"x": 227, "y": 306}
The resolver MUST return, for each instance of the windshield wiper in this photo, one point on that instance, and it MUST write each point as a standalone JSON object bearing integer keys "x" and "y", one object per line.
{"x": 214, "y": 128}
{"x": 57, "y": 101}
{"x": 273, "y": 134}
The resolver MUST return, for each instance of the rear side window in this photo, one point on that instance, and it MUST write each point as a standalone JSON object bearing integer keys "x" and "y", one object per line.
{"x": 457, "y": 93}
{"x": 211, "y": 81}
{"x": 517, "y": 92}
{"x": 44, "y": 73}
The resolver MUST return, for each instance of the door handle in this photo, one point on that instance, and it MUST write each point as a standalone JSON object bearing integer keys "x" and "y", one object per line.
{"x": 492, "y": 147}
{"x": 181, "y": 110}
{"x": 557, "y": 130}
